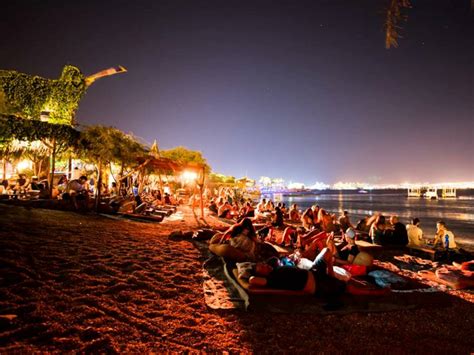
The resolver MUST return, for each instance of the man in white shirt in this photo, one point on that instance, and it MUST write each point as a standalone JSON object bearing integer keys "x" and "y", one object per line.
{"x": 415, "y": 233}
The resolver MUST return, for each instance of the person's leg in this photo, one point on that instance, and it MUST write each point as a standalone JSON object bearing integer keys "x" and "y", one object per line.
{"x": 286, "y": 236}
{"x": 313, "y": 236}
{"x": 217, "y": 238}
{"x": 227, "y": 251}
{"x": 74, "y": 201}
{"x": 324, "y": 263}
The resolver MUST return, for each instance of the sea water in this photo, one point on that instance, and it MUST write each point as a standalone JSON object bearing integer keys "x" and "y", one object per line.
{"x": 458, "y": 213}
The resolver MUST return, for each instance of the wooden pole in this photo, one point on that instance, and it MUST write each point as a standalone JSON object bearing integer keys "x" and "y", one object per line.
{"x": 201, "y": 188}
{"x": 53, "y": 167}
{"x": 69, "y": 167}
{"x": 4, "y": 168}
{"x": 98, "y": 186}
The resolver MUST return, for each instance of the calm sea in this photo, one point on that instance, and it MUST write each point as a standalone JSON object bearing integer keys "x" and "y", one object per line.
{"x": 457, "y": 213}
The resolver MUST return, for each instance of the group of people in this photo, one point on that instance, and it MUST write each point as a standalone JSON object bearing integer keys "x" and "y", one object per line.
{"x": 309, "y": 268}
{"x": 316, "y": 250}
{"x": 397, "y": 234}
{"x": 309, "y": 231}
{"x": 22, "y": 187}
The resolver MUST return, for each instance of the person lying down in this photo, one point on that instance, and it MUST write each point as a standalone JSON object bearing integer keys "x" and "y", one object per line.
{"x": 318, "y": 279}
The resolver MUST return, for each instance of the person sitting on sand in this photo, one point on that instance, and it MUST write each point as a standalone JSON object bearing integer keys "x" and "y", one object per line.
{"x": 290, "y": 235}
{"x": 277, "y": 218}
{"x": 318, "y": 280}
{"x": 261, "y": 207}
{"x": 220, "y": 202}
{"x": 213, "y": 207}
{"x": 294, "y": 214}
{"x": 397, "y": 233}
{"x": 76, "y": 191}
{"x": 238, "y": 243}
{"x": 4, "y": 186}
{"x": 114, "y": 190}
{"x": 21, "y": 185}
{"x": 225, "y": 211}
{"x": 34, "y": 184}
{"x": 307, "y": 219}
{"x": 312, "y": 243}
{"x": 346, "y": 252}
{"x": 377, "y": 230}
{"x": 344, "y": 221}
{"x": 444, "y": 236}
{"x": 326, "y": 221}
{"x": 315, "y": 209}
{"x": 248, "y": 210}
{"x": 415, "y": 233}
{"x": 269, "y": 207}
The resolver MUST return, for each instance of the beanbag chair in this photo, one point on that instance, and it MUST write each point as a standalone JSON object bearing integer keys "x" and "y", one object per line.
{"x": 363, "y": 258}
{"x": 355, "y": 270}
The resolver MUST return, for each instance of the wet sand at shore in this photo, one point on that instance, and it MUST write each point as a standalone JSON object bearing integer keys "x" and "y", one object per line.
{"x": 87, "y": 283}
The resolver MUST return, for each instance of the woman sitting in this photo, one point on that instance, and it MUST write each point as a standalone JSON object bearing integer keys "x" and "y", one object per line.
{"x": 238, "y": 243}
{"x": 326, "y": 221}
{"x": 277, "y": 218}
{"x": 225, "y": 211}
{"x": 377, "y": 230}
{"x": 247, "y": 210}
{"x": 348, "y": 252}
{"x": 307, "y": 219}
{"x": 294, "y": 214}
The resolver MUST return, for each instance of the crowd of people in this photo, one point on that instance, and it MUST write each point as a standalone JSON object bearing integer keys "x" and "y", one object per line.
{"x": 78, "y": 191}
{"x": 318, "y": 242}
{"x": 297, "y": 225}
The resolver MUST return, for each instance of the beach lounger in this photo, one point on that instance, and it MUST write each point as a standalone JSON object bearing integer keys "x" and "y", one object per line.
{"x": 250, "y": 293}
{"x": 359, "y": 286}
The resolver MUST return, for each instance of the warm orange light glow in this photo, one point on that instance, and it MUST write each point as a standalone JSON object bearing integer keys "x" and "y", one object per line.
{"x": 189, "y": 176}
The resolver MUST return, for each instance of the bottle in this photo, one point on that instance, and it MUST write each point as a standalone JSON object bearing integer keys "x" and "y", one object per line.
{"x": 446, "y": 241}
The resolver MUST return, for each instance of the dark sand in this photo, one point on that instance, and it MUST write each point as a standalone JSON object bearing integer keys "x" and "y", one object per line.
{"x": 87, "y": 283}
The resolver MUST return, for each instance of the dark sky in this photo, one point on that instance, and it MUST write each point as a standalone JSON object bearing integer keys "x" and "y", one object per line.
{"x": 303, "y": 90}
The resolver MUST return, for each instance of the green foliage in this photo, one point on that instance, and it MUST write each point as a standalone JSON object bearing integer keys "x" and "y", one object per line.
{"x": 27, "y": 96}
{"x": 185, "y": 156}
{"x": 393, "y": 18}
{"x": 221, "y": 179}
{"x": 12, "y": 127}
{"x": 104, "y": 145}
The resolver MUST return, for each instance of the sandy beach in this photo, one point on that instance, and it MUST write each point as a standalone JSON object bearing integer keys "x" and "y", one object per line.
{"x": 86, "y": 283}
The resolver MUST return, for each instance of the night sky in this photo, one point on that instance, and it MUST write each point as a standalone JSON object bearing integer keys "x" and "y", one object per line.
{"x": 303, "y": 90}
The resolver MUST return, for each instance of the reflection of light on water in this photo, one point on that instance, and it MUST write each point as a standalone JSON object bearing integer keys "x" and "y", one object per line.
{"x": 468, "y": 217}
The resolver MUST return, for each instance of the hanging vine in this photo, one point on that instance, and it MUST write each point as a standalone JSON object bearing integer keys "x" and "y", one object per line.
{"x": 27, "y": 96}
